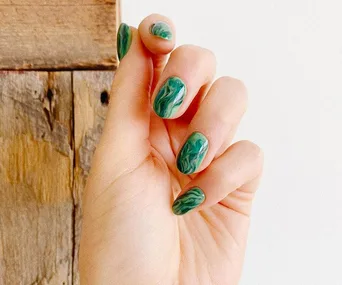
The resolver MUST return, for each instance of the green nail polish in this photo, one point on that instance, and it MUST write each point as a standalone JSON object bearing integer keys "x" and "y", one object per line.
{"x": 124, "y": 40}
{"x": 192, "y": 153}
{"x": 188, "y": 201}
{"x": 161, "y": 30}
{"x": 169, "y": 97}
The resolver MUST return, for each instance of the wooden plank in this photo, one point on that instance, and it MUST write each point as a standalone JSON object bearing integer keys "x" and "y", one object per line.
{"x": 57, "y": 35}
{"x": 36, "y": 178}
{"x": 40, "y": 182}
{"x": 90, "y": 107}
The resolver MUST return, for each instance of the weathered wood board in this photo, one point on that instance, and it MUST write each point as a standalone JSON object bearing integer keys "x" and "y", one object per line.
{"x": 58, "y": 34}
{"x": 36, "y": 178}
{"x": 50, "y": 123}
{"x": 51, "y": 118}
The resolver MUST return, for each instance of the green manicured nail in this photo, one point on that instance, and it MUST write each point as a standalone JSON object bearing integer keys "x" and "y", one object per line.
{"x": 169, "y": 97}
{"x": 188, "y": 201}
{"x": 124, "y": 40}
{"x": 161, "y": 30}
{"x": 192, "y": 153}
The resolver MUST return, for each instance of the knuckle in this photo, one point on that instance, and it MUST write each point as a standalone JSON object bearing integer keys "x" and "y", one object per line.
{"x": 236, "y": 86}
{"x": 195, "y": 54}
{"x": 236, "y": 89}
{"x": 252, "y": 149}
{"x": 253, "y": 155}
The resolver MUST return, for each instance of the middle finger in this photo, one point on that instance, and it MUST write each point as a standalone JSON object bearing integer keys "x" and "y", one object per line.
{"x": 188, "y": 70}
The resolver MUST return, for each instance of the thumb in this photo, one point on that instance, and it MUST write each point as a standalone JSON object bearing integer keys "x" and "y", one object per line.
{"x": 126, "y": 130}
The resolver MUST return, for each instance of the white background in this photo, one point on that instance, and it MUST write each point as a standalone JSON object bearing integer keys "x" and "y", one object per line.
{"x": 289, "y": 54}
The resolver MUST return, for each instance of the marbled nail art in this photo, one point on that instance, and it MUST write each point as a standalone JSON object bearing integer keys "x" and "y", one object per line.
{"x": 124, "y": 40}
{"x": 161, "y": 30}
{"x": 170, "y": 97}
{"x": 188, "y": 201}
{"x": 192, "y": 153}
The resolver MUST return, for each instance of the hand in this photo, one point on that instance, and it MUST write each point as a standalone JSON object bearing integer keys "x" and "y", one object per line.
{"x": 168, "y": 134}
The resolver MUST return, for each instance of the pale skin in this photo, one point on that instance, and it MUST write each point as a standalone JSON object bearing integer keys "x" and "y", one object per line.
{"x": 130, "y": 236}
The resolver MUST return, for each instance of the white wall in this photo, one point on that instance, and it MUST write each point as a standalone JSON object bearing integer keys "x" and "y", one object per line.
{"x": 289, "y": 54}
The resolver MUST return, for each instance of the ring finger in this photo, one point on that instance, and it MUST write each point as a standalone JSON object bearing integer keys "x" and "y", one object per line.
{"x": 212, "y": 128}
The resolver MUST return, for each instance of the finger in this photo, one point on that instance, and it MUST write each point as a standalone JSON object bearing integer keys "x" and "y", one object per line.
{"x": 127, "y": 122}
{"x": 188, "y": 70}
{"x": 213, "y": 126}
{"x": 239, "y": 166}
{"x": 159, "y": 36}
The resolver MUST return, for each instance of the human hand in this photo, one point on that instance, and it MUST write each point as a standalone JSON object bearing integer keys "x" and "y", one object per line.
{"x": 131, "y": 233}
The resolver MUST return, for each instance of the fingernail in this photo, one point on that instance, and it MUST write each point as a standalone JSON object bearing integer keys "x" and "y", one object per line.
{"x": 192, "y": 153}
{"x": 161, "y": 30}
{"x": 170, "y": 97}
{"x": 188, "y": 201}
{"x": 124, "y": 40}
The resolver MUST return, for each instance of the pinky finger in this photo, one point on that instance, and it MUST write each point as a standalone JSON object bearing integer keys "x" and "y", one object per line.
{"x": 239, "y": 167}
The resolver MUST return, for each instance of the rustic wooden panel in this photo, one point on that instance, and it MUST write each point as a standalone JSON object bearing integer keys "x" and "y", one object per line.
{"x": 58, "y": 34}
{"x": 91, "y": 96}
{"x": 36, "y": 178}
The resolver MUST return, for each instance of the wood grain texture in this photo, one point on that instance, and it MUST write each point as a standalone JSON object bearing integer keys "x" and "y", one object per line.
{"x": 58, "y": 34}
{"x": 36, "y": 178}
{"x": 89, "y": 115}
{"x": 50, "y": 124}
